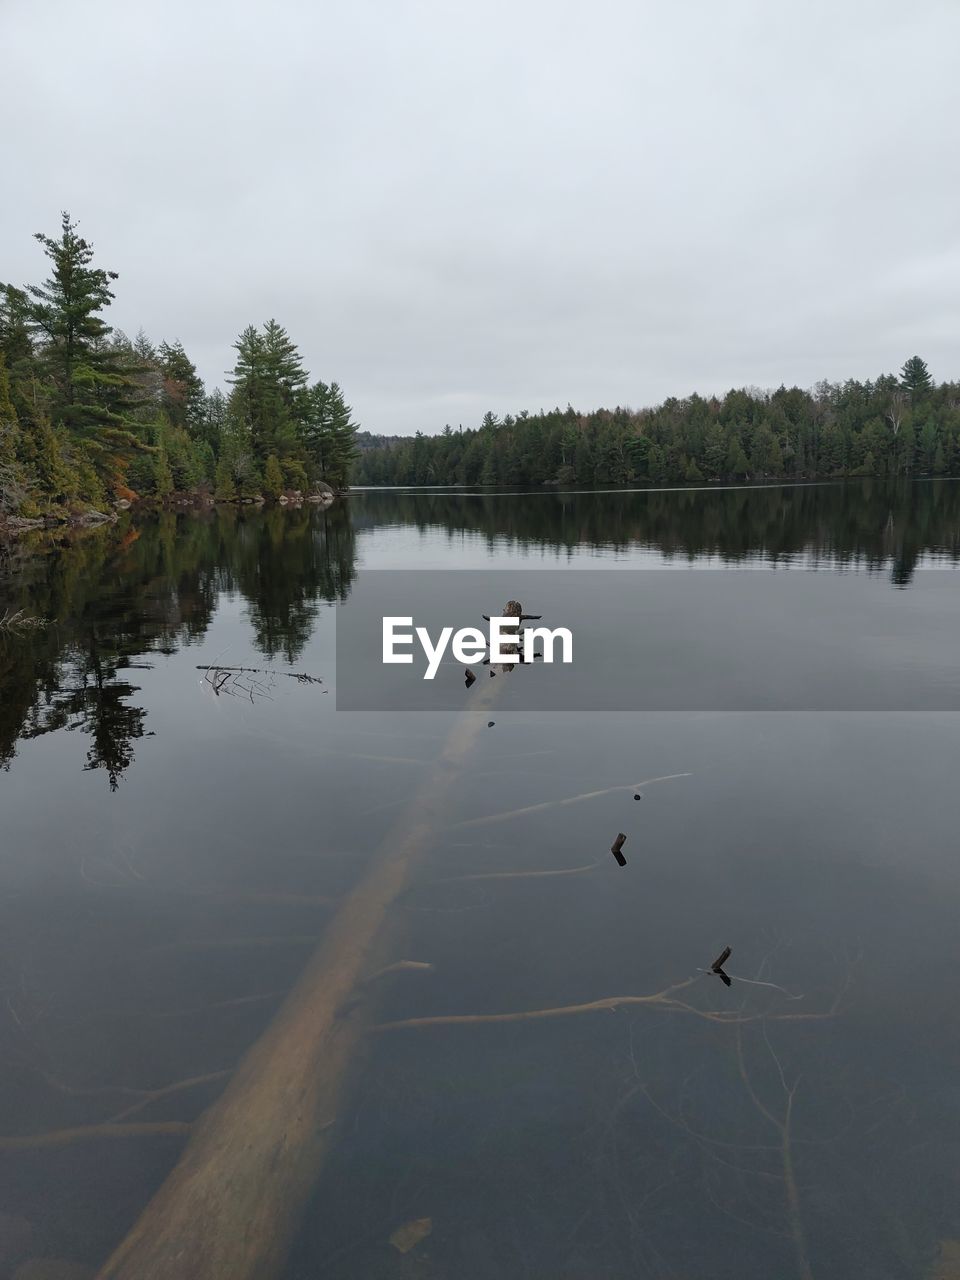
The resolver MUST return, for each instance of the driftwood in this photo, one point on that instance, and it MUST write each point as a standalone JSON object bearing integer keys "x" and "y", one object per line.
{"x": 616, "y": 848}
{"x": 230, "y": 1207}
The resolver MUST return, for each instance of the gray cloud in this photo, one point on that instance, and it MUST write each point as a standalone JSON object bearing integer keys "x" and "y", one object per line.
{"x": 509, "y": 205}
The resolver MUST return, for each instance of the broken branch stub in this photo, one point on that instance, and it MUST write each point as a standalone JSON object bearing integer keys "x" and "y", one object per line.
{"x": 616, "y": 847}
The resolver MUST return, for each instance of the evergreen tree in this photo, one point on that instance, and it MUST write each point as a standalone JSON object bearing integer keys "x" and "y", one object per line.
{"x": 16, "y": 344}
{"x": 184, "y": 398}
{"x": 272, "y": 478}
{"x": 237, "y": 447}
{"x": 224, "y": 487}
{"x": 147, "y": 378}
{"x": 214, "y": 418}
{"x": 270, "y": 378}
{"x": 915, "y": 377}
{"x": 91, "y": 381}
{"x": 162, "y": 475}
{"x": 144, "y": 349}
{"x": 737, "y": 466}
{"x": 84, "y": 410}
{"x": 13, "y": 489}
{"x": 317, "y": 428}
{"x": 343, "y": 433}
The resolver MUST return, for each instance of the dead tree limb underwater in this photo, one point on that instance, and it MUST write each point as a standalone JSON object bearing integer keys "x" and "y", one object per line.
{"x": 300, "y": 676}
{"x": 559, "y": 804}
{"x": 230, "y": 1208}
{"x": 520, "y": 875}
{"x": 232, "y": 1204}
{"x": 663, "y": 1000}
{"x": 167, "y": 1091}
{"x": 228, "y": 680}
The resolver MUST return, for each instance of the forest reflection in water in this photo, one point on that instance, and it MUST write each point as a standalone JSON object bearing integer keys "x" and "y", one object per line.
{"x": 112, "y": 596}
{"x": 807, "y": 1128}
{"x": 117, "y": 594}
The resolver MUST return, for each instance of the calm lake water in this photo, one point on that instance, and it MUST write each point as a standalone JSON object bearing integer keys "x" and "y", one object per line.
{"x": 167, "y": 853}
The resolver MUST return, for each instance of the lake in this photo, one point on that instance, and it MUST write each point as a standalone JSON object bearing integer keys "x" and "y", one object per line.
{"x": 177, "y": 840}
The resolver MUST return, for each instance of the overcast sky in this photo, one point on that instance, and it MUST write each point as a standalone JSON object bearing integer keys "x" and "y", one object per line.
{"x": 503, "y": 205}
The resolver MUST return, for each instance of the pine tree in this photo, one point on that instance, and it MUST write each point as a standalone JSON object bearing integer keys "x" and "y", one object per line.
{"x": 184, "y": 398}
{"x": 43, "y": 450}
{"x": 89, "y": 487}
{"x": 295, "y": 474}
{"x": 144, "y": 349}
{"x": 162, "y": 475}
{"x": 13, "y": 488}
{"x": 736, "y": 464}
{"x": 270, "y": 377}
{"x": 214, "y": 418}
{"x": 915, "y": 377}
{"x": 765, "y": 456}
{"x": 147, "y": 378}
{"x": 343, "y": 436}
{"x": 272, "y": 478}
{"x": 224, "y": 488}
{"x": 17, "y": 347}
{"x": 237, "y": 450}
{"x": 317, "y": 428}
{"x": 206, "y": 462}
{"x": 92, "y": 381}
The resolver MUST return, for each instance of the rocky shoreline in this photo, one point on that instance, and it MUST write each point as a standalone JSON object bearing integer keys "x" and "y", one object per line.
{"x": 321, "y": 495}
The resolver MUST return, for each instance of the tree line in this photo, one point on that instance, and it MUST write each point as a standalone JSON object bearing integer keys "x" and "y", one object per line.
{"x": 892, "y": 426}
{"x": 88, "y": 416}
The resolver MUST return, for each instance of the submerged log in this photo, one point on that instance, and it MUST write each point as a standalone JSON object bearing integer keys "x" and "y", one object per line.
{"x": 231, "y": 1206}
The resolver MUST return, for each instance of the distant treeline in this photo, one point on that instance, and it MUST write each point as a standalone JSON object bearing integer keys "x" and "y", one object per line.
{"x": 87, "y": 416}
{"x": 893, "y": 426}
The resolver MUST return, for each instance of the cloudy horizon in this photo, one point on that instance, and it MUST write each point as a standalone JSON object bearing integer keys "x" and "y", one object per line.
{"x": 506, "y": 208}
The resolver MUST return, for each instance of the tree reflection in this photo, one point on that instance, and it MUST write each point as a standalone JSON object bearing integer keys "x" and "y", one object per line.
{"x": 870, "y": 524}
{"x": 116, "y": 595}
{"x": 284, "y": 570}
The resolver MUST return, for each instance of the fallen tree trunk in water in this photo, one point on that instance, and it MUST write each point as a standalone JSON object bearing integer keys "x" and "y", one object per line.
{"x": 231, "y": 1206}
